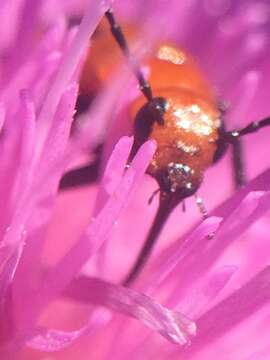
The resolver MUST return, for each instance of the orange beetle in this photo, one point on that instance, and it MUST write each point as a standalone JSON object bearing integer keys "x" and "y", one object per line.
{"x": 181, "y": 115}
{"x": 178, "y": 110}
{"x": 187, "y": 137}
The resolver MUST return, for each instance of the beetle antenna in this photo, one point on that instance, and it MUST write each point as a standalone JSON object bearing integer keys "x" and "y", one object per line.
{"x": 122, "y": 42}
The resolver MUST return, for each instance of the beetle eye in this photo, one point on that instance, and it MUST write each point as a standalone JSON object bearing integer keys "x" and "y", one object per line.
{"x": 160, "y": 104}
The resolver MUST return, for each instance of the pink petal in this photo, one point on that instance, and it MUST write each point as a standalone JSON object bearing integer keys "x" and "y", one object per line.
{"x": 2, "y": 116}
{"x": 59, "y": 277}
{"x": 172, "y": 325}
{"x": 68, "y": 67}
{"x": 201, "y": 295}
{"x": 114, "y": 171}
{"x": 175, "y": 253}
{"x": 51, "y": 340}
{"x": 42, "y": 199}
{"x": 100, "y": 227}
{"x": 234, "y": 309}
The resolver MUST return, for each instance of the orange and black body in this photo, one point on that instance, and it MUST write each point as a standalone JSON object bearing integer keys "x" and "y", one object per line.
{"x": 177, "y": 109}
{"x": 187, "y": 135}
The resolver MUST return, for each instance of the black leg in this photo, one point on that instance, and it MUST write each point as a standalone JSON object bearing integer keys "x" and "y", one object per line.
{"x": 82, "y": 176}
{"x": 201, "y": 207}
{"x": 121, "y": 41}
{"x": 238, "y": 164}
{"x": 233, "y": 138}
{"x": 230, "y": 136}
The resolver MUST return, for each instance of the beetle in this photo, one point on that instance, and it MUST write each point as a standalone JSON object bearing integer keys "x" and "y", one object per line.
{"x": 177, "y": 109}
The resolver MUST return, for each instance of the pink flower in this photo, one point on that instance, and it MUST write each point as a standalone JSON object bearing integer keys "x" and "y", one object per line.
{"x": 64, "y": 253}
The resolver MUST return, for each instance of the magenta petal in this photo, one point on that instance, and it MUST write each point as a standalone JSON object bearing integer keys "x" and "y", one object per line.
{"x": 260, "y": 183}
{"x": 111, "y": 178}
{"x": 189, "y": 269}
{"x": 50, "y": 340}
{"x": 28, "y": 20}
{"x": 13, "y": 240}
{"x": 2, "y": 115}
{"x": 9, "y": 14}
{"x": 100, "y": 227}
{"x": 234, "y": 309}
{"x": 9, "y": 257}
{"x": 17, "y": 150}
{"x": 9, "y": 260}
{"x": 67, "y": 268}
{"x": 25, "y": 162}
{"x": 221, "y": 282}
{"x": 36, "y": 207}
{"x": 261, "y": 354}
{"x": 202, "y": 295}
{"x": 114, "y": 171}
{"x": 176, "y": 252}
{"x": 14, "y": 236}
{"x": 68, "y": 67}
{"x": 51, "y": 157}
{"x": 172, "y": 325}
